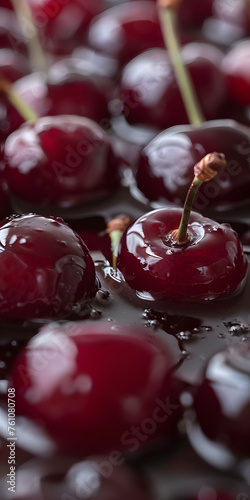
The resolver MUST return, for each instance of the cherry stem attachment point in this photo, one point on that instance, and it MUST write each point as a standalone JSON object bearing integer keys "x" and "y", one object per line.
{"x": 167, "y": 10}
{"x": 19, "y": 104}
{"x": 204, "y": 171}
{"x": 36, "y": 53}
{"x": 115, "y": 229}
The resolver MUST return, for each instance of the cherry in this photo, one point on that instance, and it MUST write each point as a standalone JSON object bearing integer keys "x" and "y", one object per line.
{"x": 63, "y": 160}
{"x": 46, "y": 269}
{"x": 236, "y": 68}
{"x": 234, "y": 13}
{"x": 223, "y": 402}
{"x": 126, "y": 30}
{"x": 74, "y": 380}
{"x": 150, "y": 94}
{"x": 62, "y": 25}
{"x": 210, "y": 265}
{"x": 179, "y": 148}
{"x": 230, "y": 21}
{"x": 71, "y": 87}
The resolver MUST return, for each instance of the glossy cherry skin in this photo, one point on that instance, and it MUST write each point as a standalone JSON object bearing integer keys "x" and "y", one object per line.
{"x": 211, "y": 266}
{"x": 71, "y": 87}
{"x": 83, "y": 392}
{"x": 62, "y": 25}
{"x": 165, "y": 168}
{"x": 63, "y": 160}
{"x": 150, "y": 93}
{"x": 236, "y": 67}
{"x": 46, "y": 269}
{"x": 126, "y": 30}
{"x": 223, "y": 402}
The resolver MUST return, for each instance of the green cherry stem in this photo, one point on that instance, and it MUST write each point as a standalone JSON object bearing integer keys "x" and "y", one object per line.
{"x": 167, "y": 10}
{"x": 115, "y": 230}
{"x": 205, "y": 170}
{"x": 19, "y": 104}
{"x": 36, "y": 53}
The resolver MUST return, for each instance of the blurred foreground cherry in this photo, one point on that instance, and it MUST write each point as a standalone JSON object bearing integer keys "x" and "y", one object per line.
{"x": 99, "y": 387}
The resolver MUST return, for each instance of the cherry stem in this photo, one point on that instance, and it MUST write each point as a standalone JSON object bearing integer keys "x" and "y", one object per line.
{"x": 167, "y": 17}
{"x": 19, "y": 104}
{"x": 36, "y": 54}
{"x": 204, "y": 171}
{"x": 115, "y": 229}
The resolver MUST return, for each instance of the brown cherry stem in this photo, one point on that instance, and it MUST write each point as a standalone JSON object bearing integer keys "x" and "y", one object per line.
{"x": 167, "y": 10}
{"x": 18, "y": 102}
{"x": 205, "y": 170}
{"x": 115, "y": 229}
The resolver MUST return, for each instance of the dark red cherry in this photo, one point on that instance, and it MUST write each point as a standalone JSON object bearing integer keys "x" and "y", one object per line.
{"x": 210, "y": 266}
{"x": 126, "y": 30}
{"x": 63, "y": 24}
{"x": 46, "y": 269}
{"x": 165, "y": 168}
{"x": 223, "y": 402}
{"x": 229, "y": 22}
{"x": 96, "y": 387}
{"x": 149, "y": 90}
{"x": 71, "y": 87}
{"x": 236, "y": 67}
{"x": 63, "y": 160}
{"x": 234, "y": 13}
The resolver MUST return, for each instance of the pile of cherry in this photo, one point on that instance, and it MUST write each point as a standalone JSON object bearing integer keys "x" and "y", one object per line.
{"x": 117, "y": 353}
